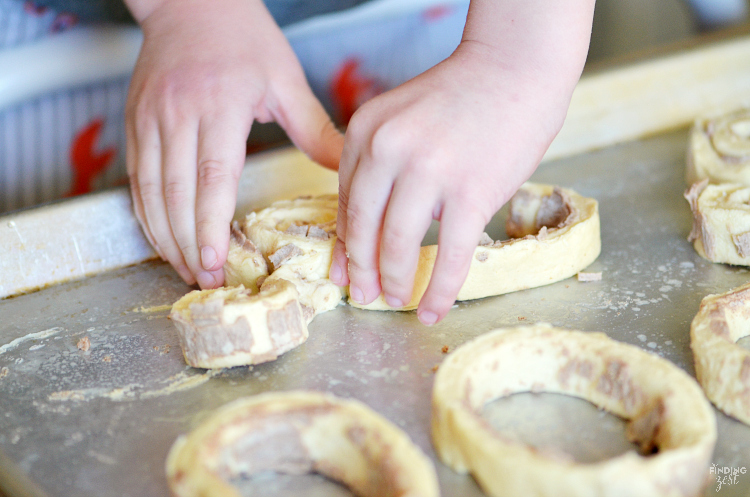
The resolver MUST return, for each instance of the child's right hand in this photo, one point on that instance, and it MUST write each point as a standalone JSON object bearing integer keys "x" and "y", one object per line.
{"x": 207, "y": 70}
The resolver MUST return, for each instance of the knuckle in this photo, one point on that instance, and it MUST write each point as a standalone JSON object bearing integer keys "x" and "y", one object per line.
{"x": 343, "y": 199}
{"x": 395, "y": 283}
{"x": 387, "y": 140}
{"x": 357, "y": 222}
{"x": 394, "y": 242}
{"x": 140, "y": 113}
{"x": 186, "y": 247}
{"x": 175, "y": 194}
{"x": 133, "y": 180}
{"x": 213, "y": 173}
{"x": 148, "y": 189}
{"x": 206, "y": 227}
{"x": 454, "y": 259}
{"x": 359, "y": 270}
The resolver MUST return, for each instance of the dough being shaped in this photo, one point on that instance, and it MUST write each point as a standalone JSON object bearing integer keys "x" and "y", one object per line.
{"x": 719, "y": 149}
{"x": 664, "y": 406}
{"x": 282, "y": 254}
{"x": 722, "y": 366}
{"x": 245, "y": 263}
{"x": 299, "y": 432}
{"x": 230, "y": 326}
{"x": 296, "y": 237}
{"x": 555, "y": 234}
{"x": 721, "y": 222}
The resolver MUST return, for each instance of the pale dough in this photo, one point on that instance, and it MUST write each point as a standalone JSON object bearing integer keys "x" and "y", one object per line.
{"x": 233, "y": 326}
{"x": 299, "y": 432}
{"x": 719, "y": 149}
{"x": 280, "y": 257}
{"x": 721, "y": 222}
{"x": 555, "y": 234}
{"x": 290, "y": 244}
{"x": 664, "y": 406}
{"x": 722, "y": 366}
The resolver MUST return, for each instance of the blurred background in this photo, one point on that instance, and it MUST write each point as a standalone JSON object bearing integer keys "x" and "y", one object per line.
{"x": 64, "y": 78}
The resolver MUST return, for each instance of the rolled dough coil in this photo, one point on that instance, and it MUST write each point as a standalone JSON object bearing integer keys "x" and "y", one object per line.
{"x": 282, "y": 272}
{"x": 232, "y": 326}
{"x": 299, "y": 432}
{"x": 719, "y": 149}
{"x": 555, "y": 234}
{"x": 722, "y": 366}
{"x": 296, "y": 238}
{"x": 665, "y": 409}
{"x": 721, "y": 222}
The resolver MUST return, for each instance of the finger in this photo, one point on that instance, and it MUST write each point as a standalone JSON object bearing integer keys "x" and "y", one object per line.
{"x": 407, "y": 219}
{"x": 131, "y": 164}
{"x": 339, "y": 272}
{"x": 460, "y": 229}
{"x": 368, "y": 198}
{"x": 221, "y": 155}
{"x": 308, "y": 124}
{"x": 179, "y": 157}
{"x": 339, "y": 263}
{"x": 150, "y": 186}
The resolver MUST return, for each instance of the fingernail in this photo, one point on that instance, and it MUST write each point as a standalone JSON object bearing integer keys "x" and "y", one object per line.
{"x": 205, "y": 280}
{"x": 356, "y": 294}
{"x": 428, "y": 317}
{"x": 335, "y": 274}
{"x": 208, "y": 257}
{"x": 393, "y": 301}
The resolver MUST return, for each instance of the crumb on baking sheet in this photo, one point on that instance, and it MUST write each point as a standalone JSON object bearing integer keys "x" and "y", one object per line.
{"x": 4, "y": 372}
{"x": 590, "y": 276}
{"x": 107, "y": 358}
{"x": 435, "y": 368}
{"x": 84, "y": 344}
{"x": 444, "y": 349}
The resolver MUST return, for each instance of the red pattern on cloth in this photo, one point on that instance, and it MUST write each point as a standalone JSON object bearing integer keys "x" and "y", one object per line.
{"x": 87, "y": 164}
{"x": 350, "y": 89}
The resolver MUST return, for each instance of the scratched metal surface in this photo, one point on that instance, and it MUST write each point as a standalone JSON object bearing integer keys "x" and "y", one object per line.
{"x": 100, "y": 423}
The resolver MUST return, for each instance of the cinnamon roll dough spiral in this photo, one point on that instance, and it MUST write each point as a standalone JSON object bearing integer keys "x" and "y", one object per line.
{"x": 279, "y": 257}
{"x": 722, "y": 366}
{"x": 299, "y": 432}
{"x": 234, "y": 326}
{"x": 665, "y": 409}
{"x": 719, "y": 149}
{"x": 721, "y": 222}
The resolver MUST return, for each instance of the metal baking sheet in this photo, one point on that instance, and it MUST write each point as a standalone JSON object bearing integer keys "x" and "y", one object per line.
{"x": 100, "y": 423}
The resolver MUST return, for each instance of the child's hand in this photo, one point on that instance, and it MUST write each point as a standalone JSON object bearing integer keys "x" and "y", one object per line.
{"x": 453, "y": 144}
{"x": 205, "y": 72}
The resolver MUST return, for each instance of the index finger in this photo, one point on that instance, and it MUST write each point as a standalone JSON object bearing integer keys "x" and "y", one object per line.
{"x": 460, "y": 229}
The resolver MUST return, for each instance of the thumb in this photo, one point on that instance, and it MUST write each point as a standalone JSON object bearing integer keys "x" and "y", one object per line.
{"x": 310, "y": 127}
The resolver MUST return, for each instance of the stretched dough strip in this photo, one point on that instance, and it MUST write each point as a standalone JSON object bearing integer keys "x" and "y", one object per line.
{"x": 719, "y": 149}
{"x": 299, "y": 432}
{"x": 721, "y": 222}
{"x": 664, "y": 406}
{"x": 722, "y": 366}
{"x": 555, "y": 234}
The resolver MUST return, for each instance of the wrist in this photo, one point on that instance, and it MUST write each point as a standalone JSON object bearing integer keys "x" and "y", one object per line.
{"x": 547, "y": 39}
